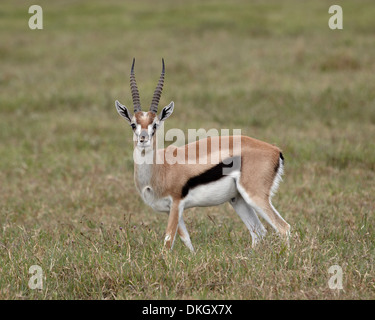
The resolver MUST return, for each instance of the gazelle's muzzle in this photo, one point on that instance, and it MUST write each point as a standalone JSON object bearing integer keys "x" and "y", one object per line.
{"x": 143, "y": 137}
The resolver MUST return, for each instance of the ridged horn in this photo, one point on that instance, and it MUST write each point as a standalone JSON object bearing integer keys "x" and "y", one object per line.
{"x": 158, "y": 91}
{"x": 134, "y": 90}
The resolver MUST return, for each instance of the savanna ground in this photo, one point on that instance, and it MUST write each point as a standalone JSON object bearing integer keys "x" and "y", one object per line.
{"x": 270, "y": 68}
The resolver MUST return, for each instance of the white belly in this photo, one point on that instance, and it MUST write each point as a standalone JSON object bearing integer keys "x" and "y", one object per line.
{"x": 211, "y": 194}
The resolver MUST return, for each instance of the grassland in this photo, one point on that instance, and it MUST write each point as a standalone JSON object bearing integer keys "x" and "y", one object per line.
{"x": 270, "y": 68}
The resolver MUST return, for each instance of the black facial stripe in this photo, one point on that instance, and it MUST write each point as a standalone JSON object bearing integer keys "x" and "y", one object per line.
{"x": 153, "y": 129}
{"x": 211, "y": 175}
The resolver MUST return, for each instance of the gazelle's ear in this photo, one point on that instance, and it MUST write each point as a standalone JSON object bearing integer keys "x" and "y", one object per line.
{"x": 123, "y": 111}
{"x": 166, "y": 112}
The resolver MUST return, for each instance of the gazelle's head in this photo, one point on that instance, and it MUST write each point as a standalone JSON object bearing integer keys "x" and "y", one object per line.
{"x": 145, "y": 124}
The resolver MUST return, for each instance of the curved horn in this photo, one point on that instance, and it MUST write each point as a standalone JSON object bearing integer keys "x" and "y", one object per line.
{"x": 134, "y": 90}
{"x": 158, "y": 91}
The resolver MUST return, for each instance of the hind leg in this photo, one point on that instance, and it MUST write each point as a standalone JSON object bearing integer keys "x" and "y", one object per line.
{"x": 263, "y": 205}
{"x": 249, "y": 217}
{"x": 184, "y": 235}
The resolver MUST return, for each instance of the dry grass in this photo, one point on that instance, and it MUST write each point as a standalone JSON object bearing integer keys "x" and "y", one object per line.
{"x": 68, "y": 202}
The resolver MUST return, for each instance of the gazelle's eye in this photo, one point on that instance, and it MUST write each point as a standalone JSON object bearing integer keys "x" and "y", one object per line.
{"x": 133, "y": 126}
{"x": 154, "y": 126}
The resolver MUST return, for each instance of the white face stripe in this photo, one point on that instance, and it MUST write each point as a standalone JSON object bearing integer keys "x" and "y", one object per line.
{"x": 138, "y": 129}
{"x": 149, "y": 129}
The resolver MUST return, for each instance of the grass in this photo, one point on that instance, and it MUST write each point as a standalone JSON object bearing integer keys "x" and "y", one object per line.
{"x": 275, "y": 70}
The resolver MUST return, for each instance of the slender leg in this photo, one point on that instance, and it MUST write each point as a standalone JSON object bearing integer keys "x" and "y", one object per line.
{"x": 263, "y": 206}
{"x": 277, "y": 222}
{"x": 250, "y": 218}
{"x": 173, "y": 221}
{"x": 184, "y": 235}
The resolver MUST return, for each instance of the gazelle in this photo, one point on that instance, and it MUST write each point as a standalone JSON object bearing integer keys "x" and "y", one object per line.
{"x": 166, "y": 187}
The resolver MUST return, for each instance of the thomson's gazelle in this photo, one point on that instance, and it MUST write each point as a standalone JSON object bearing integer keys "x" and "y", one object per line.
{"x": 245, "y": 176}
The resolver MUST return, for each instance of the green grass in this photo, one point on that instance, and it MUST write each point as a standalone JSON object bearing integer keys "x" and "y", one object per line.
{"x": 272, "y": 69}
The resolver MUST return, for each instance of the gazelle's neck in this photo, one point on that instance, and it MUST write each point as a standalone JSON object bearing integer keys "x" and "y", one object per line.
{"x": 148, "y": 177}
{"x": 144, "y": 164}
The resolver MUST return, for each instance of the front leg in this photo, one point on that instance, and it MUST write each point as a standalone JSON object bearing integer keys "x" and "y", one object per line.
{"x": 174, "y": 216}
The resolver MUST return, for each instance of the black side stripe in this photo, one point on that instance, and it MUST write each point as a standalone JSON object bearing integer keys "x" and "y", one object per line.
{"x": 213, "y": 174}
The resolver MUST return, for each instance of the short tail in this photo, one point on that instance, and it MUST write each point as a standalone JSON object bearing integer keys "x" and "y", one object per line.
{"x": 279, "y": 171}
